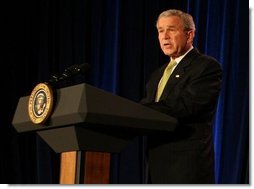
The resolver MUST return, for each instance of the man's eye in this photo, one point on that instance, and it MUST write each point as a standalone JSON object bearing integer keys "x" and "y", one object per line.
{"x": 172, "y": 30}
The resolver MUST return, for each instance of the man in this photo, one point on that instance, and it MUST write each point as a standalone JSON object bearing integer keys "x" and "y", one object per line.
{"x": 190, "y": 94}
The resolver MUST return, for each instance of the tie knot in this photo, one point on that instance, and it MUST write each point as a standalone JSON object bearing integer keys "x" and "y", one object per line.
{"x": 171, "y": 64}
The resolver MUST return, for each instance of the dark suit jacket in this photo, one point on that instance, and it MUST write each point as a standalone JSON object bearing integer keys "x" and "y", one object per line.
{"x": 190, "y": 95}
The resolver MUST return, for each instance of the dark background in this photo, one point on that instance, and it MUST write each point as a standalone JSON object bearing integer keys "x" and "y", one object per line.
{"x": 119, "y": 40}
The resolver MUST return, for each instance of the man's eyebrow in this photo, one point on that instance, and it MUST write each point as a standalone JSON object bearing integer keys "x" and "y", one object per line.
{"x": 167, "y": 27}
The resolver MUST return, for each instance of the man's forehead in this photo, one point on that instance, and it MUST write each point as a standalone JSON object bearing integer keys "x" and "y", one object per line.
{"x": 169, "y": 19}
{"x": 169, "y": 22}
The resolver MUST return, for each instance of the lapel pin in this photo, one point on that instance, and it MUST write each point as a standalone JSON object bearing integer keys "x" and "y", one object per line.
{"x": 177, "y": 76}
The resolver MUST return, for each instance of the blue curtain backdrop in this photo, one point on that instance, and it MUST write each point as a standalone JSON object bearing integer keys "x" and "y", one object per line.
{"x": 119, "y": 40}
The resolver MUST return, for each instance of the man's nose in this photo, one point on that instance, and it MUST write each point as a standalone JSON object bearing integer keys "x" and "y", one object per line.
{"x": 165, "y": 35}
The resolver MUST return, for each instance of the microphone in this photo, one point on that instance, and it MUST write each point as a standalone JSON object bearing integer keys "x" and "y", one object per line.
{"x": 70, "y": 72}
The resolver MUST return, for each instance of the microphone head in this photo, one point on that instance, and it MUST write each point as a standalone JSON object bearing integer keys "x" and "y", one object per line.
{"x": 83, "y": 68}
{"x": 76, "y": 69}
{"x": 70, "y": 72}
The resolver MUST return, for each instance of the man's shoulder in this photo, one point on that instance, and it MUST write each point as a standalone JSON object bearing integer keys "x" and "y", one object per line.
{"x": 204, "y": 58}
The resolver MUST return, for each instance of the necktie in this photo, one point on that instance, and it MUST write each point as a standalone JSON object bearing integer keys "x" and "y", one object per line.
{"x": 164, "y": 79}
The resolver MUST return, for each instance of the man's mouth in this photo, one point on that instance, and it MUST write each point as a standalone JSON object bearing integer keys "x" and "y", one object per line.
{"x": 167, "y": 45}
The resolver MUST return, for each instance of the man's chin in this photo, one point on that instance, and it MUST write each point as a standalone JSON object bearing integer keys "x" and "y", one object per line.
{"x": 168, "y": 53}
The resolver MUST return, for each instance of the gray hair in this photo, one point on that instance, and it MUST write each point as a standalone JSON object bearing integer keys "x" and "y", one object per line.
{"x": 188, "y": 23}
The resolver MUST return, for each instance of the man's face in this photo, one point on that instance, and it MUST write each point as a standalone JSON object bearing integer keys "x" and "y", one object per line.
{"x": 174, "y": 40}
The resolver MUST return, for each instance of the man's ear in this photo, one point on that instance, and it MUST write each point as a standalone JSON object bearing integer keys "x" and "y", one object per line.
{"x": 190, "y": 35}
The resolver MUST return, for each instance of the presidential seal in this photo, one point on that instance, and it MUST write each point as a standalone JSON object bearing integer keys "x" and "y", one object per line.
{"x": 40, "y": 103}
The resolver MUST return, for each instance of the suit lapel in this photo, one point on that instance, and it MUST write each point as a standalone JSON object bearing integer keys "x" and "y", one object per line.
{"x": 179, "y": 72}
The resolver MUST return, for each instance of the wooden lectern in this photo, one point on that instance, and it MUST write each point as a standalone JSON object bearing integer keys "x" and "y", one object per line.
{"x": 87, "y": 125}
